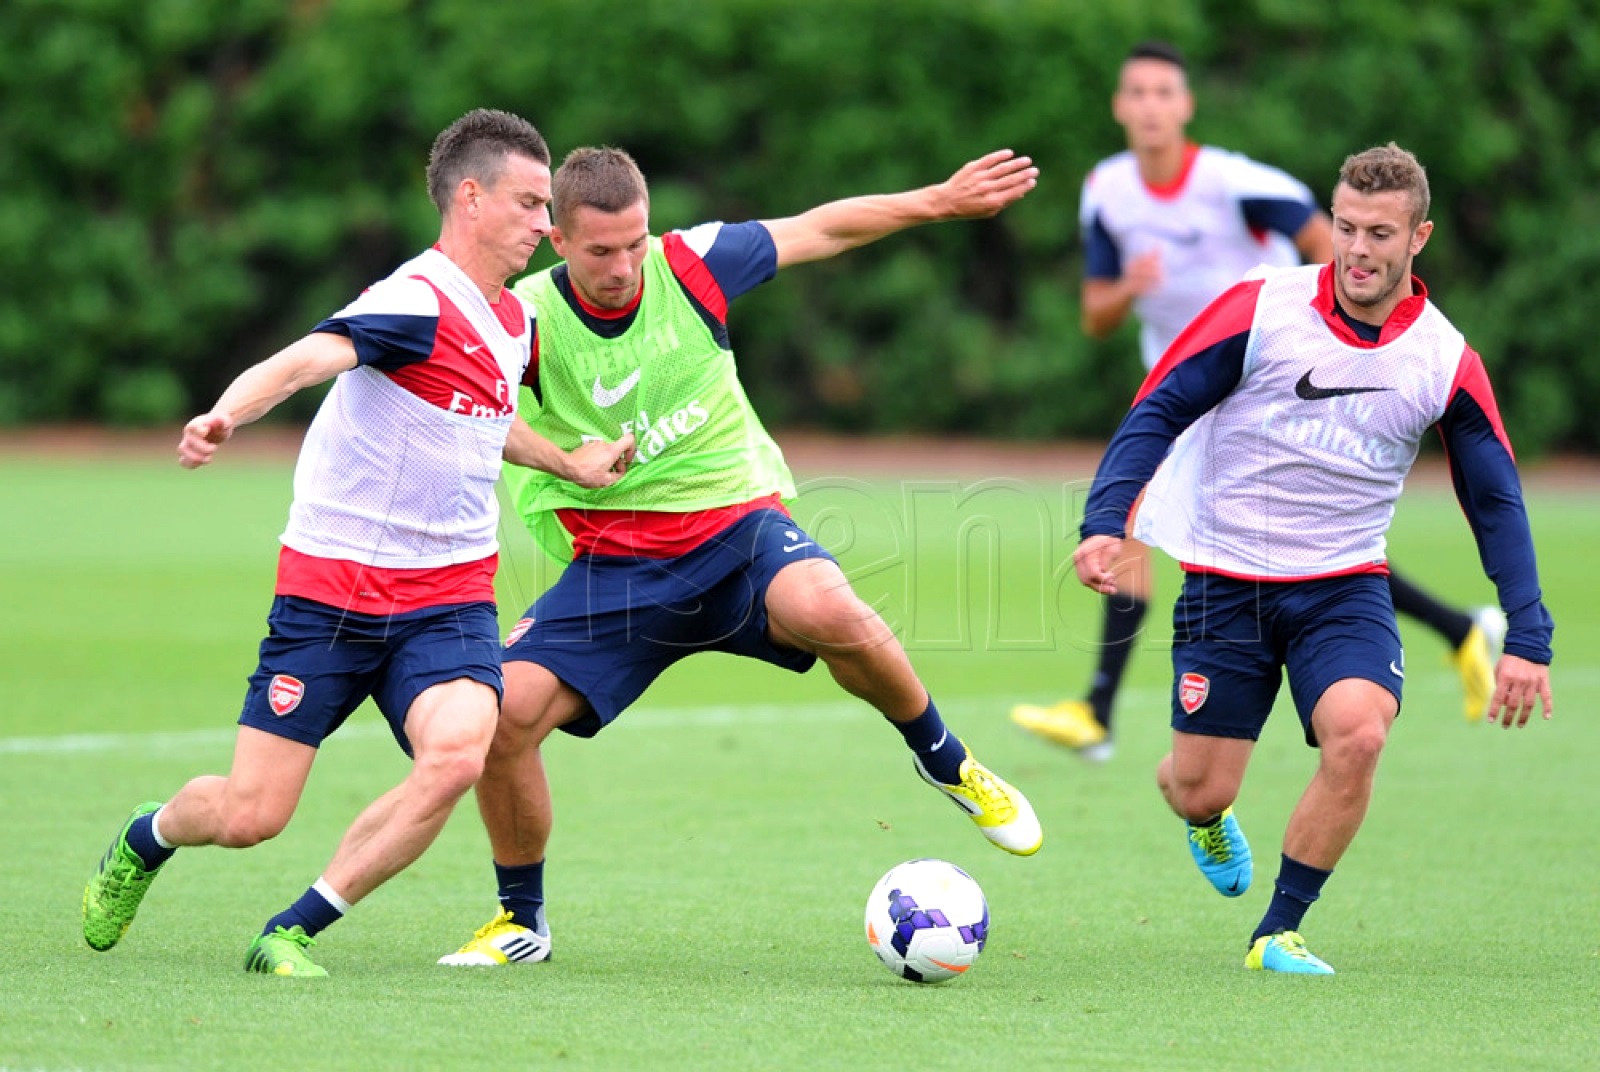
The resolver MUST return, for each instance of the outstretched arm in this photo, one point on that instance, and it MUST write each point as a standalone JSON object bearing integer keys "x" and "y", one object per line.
{"x": 314, "y": 359}
{"x": 981, "y": 188}
{"x": 595, "y": 464}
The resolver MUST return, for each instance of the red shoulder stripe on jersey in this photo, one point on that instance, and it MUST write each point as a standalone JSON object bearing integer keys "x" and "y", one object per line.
{"x": 1473, "y": 378}
{"x": 462, "y": 374}
{"x": 1230, "y": 315}
{"x": 692, "y": 272}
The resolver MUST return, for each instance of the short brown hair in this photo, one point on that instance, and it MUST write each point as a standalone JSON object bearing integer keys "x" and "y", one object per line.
{"x": 603, "y": 178}
{"x": 476, "y": 147}
{"x": 1388, "y": 167}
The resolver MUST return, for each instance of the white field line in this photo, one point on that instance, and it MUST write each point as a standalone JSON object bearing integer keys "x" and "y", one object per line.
{"x": 670, "y": 718}
{"x": 169, "y": 741}
{"x": 642, "y": 718}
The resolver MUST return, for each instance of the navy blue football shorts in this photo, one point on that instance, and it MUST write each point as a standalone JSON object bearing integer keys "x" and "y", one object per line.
{"x": 319, "y": 662}
{"x": 611, "y": 624}
{"x": 1233, "y": 639}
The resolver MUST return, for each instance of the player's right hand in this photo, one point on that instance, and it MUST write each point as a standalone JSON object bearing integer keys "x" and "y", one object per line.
{"x": 988, "y": 184}
{"x": 201, "y": 437}
{"x": 1144, "y": 272}
{"x": 1093, "y": 560}
{"x": 598, "y": 464}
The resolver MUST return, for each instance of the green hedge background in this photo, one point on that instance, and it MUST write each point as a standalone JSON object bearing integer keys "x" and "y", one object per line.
{"x": 189, "y": 185}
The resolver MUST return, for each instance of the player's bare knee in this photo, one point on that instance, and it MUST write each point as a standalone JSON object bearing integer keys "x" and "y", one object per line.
{"x": 1204, "y": 809}
{"x": 514, "y": 731}
{"x": 533, "y": 704}
{"x": 840, "y": 621}
{"x": 1165, "y": 784}
{"x": 508, "y": 748}
{"x": 820, "y": 612}
{"x": 1201, "y": 802}
{"x": 449, "y": 772}
{"x": 245, "y": 826}
{"x": 1358, "y": 747}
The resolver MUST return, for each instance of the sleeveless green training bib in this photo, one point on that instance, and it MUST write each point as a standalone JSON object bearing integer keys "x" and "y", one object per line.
{"x": 699, "y": 442}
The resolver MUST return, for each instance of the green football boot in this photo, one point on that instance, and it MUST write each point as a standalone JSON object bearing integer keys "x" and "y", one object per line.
{"x": 113, "y": 894}
{"x": 283, "y": 952}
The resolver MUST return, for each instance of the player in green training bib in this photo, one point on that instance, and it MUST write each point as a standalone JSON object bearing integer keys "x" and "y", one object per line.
{"x": 692, "y": 549}
{"x": 673, "y": 385}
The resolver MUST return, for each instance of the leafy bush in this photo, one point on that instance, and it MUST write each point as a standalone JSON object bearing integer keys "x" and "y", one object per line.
{"x": 190, "y": 186}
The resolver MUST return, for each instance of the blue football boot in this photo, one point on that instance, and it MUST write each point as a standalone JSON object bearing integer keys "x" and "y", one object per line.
{"x": 1222, "y": 854}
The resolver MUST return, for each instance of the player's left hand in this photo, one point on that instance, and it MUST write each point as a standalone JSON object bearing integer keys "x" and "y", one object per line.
{"x": 988, "y": 184}
{"x": 1518, "y": 686}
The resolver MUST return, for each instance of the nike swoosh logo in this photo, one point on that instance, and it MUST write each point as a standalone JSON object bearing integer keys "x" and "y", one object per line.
{"x": 1395, "y": 670}
{"x": 1311, "y": 392}
{"x": 1182, "y": 238}
{"x": 472, "y": 349}
{"x": 605, "y": 397}
{"x": 797, "y": 546}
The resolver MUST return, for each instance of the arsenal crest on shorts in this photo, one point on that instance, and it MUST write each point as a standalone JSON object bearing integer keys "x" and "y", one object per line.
{"x": 284, "y": 693}
{"x": 1192, "y": 692}
{"x": 517, "y": 630}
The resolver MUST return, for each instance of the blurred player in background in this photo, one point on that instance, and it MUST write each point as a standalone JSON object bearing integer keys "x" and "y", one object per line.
{"x": 1332, "y": 374}
{"x": 1168, "y": 225}
{"x": 693, "y": 550}
{"x": 385, "y": 579}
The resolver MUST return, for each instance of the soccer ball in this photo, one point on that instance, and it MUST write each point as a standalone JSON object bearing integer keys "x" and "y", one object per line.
{"x": 927, "y": 920}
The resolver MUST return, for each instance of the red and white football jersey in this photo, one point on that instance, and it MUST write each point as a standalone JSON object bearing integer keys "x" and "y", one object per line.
{"x": 398, "y": 468}
{"x": 1200, "y": 225}
{"x": 1297, "y": 471}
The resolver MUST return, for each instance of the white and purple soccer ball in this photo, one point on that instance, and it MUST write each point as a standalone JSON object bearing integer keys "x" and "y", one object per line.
{"x": 927, "y": 920}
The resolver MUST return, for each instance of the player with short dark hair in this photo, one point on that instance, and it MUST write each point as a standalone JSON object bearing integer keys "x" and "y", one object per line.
{"x": 385, "y": 581}
{"x": 1167, "y": 226}
{"x": 693, "y": 550}
{"x": 1302, "y": 395}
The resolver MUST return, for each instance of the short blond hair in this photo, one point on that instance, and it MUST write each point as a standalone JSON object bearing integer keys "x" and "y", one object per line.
{"x": 601, "y": 178}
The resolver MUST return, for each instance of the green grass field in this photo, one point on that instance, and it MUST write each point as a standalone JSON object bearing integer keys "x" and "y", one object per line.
{"x": 714, "y": 849}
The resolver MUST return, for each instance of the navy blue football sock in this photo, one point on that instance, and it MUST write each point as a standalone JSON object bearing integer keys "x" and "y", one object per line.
{"x": 316, "y": 910}
{"x": 1413, "y": 602}
{"x": 522, "y": 892}
{"x": 1124, "y": 616}
{"x": 141, "y": 838}
{"x": 940, "y": 751}
{"x": 1297, "y": 887}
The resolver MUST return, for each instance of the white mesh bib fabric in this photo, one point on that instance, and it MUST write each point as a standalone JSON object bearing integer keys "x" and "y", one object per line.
{"x": 388, "y": 479}
{"x": 1296, "y": 472}
{"x": 1205, "y": 244}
